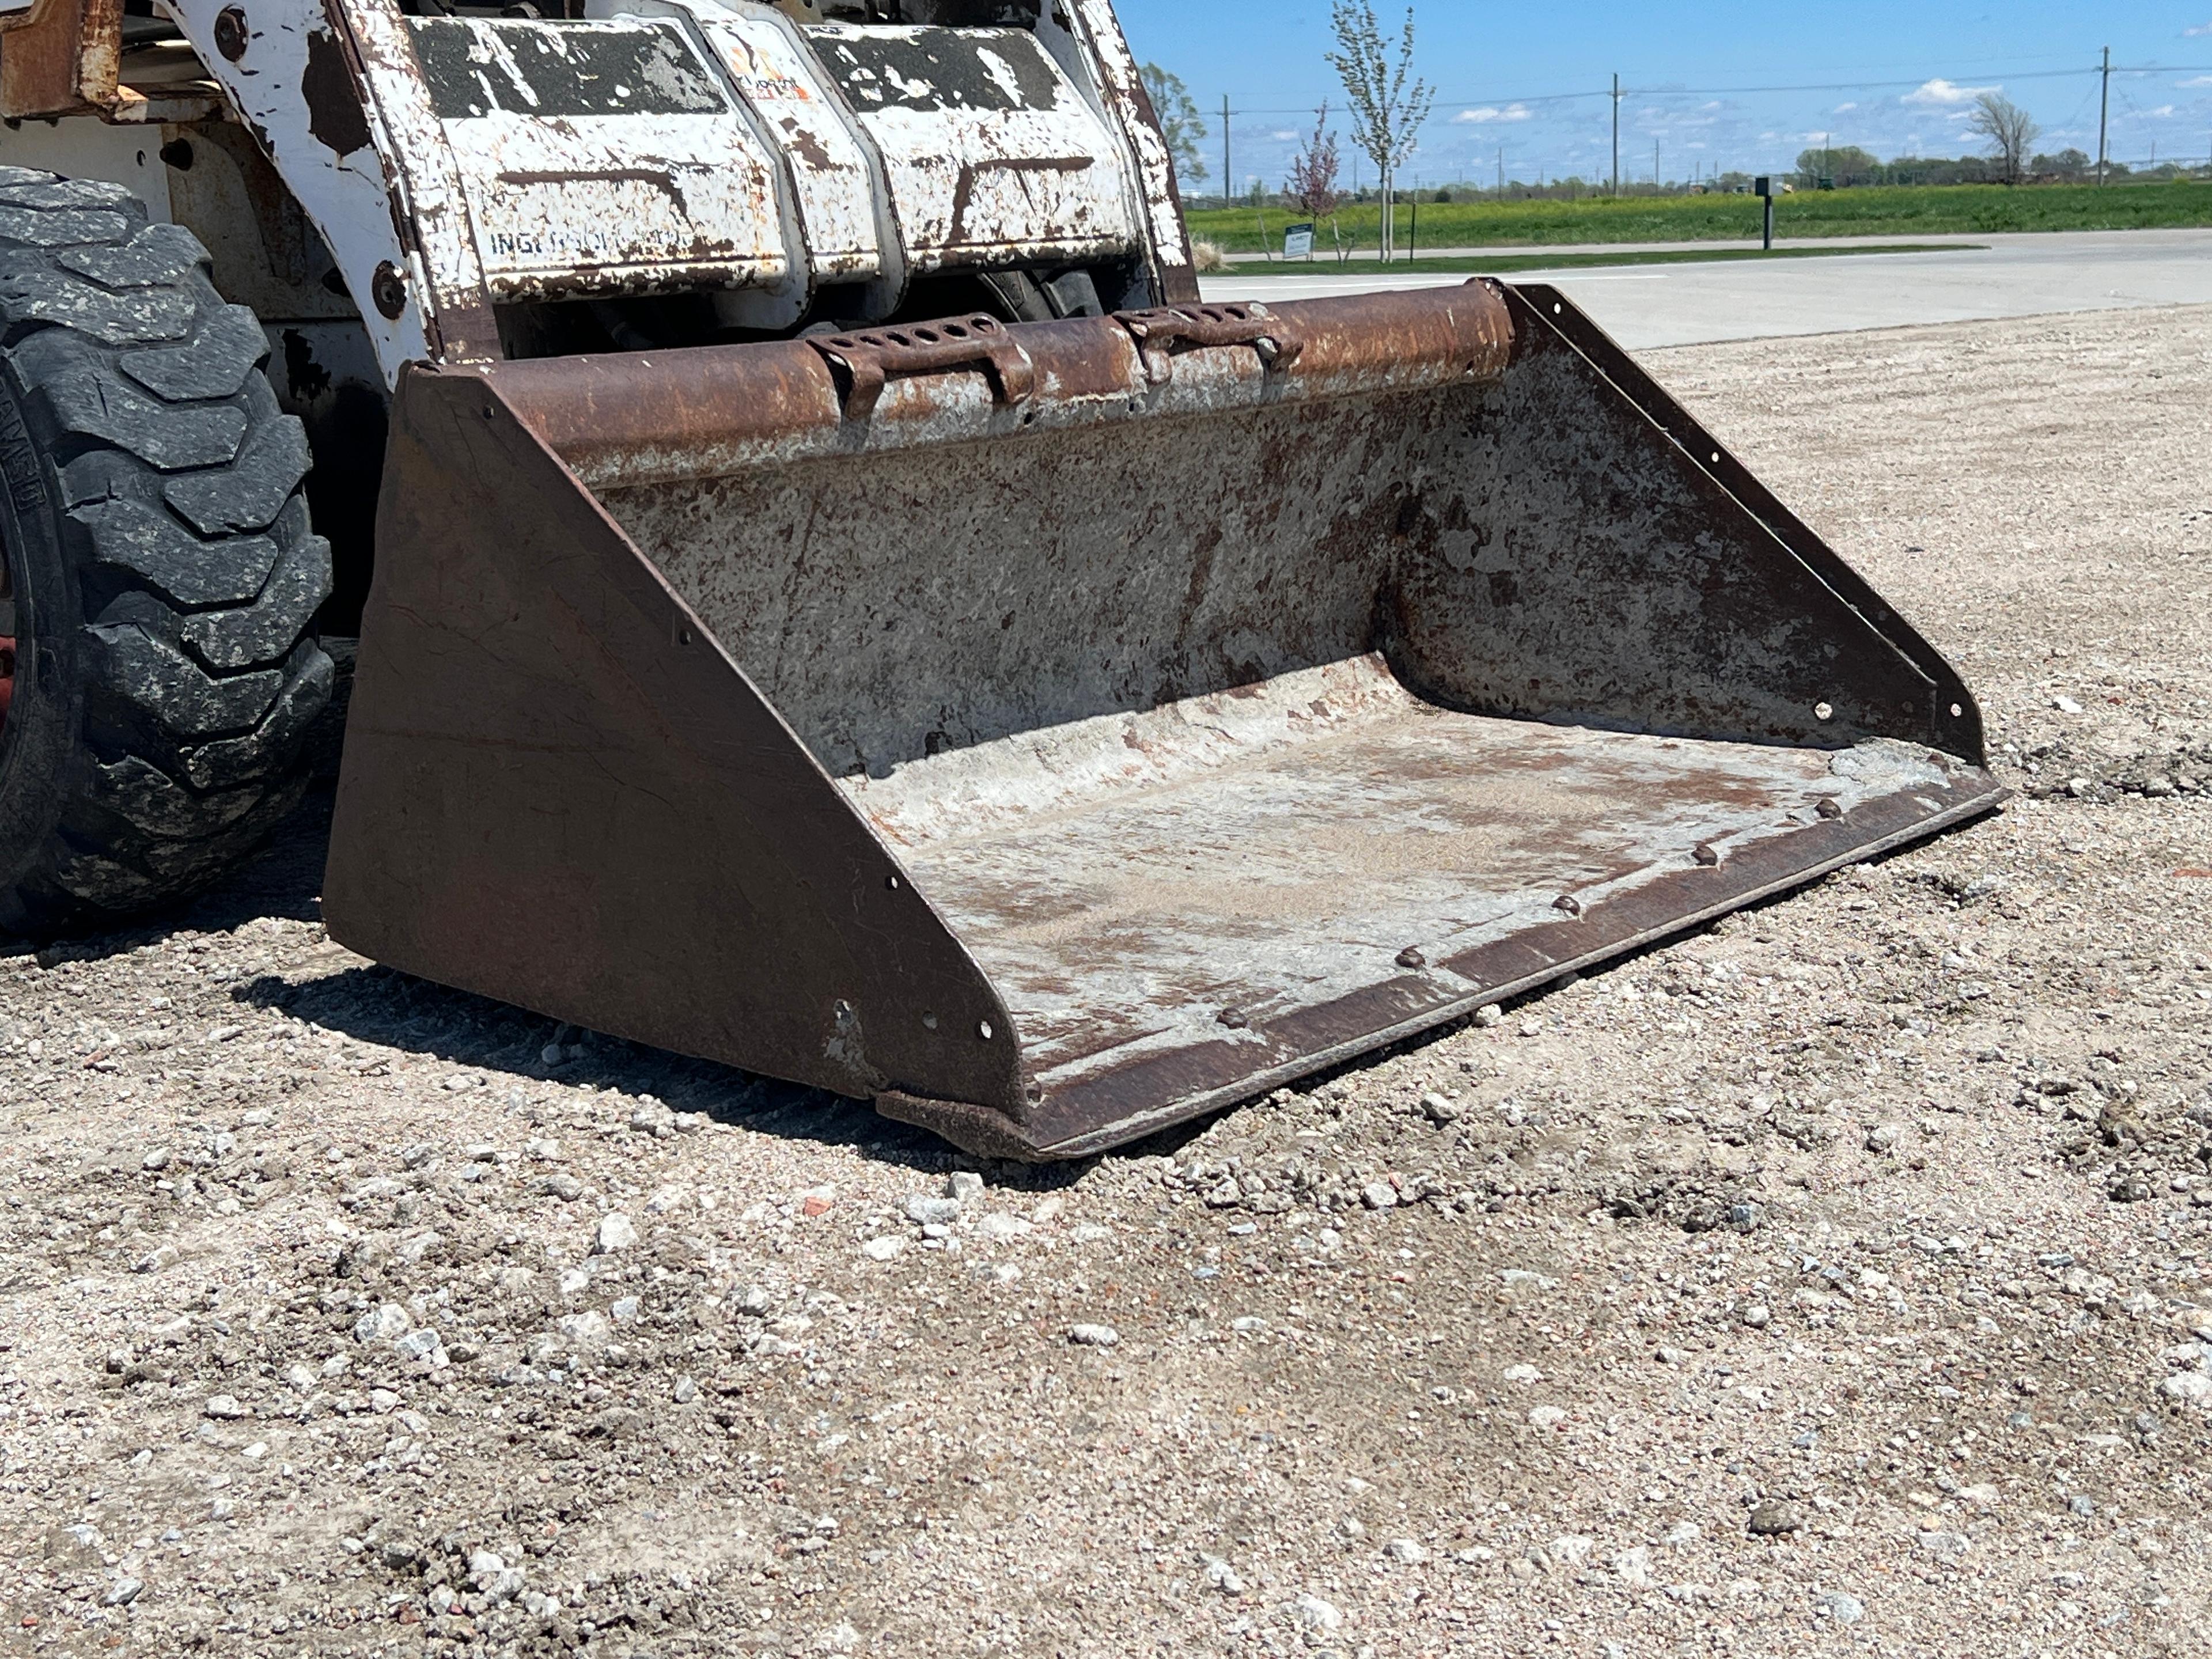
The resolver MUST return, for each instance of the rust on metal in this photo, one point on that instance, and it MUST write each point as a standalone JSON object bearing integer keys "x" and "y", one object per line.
{"x": 62, "y": 58}
{"x": 655, "y": 417}
{"x": 1051, "y": 766}
{"x": 1163, "y": 330}
{"x": 871, "y": 358}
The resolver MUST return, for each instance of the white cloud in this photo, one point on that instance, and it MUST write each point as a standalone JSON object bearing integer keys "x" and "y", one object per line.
{"x": 1492, "y": 112}
{"x": 2199, "y": 81}
{"x": 1286, "y": 137}
{"x": 2201, "y": 29}
{"x": 1940, "y": 91}
{"x": 2163, "y": 109}
{"x": 1845, "y": 109}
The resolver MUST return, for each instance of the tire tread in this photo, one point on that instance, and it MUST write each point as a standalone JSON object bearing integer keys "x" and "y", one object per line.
{"x": 179, "y": 515}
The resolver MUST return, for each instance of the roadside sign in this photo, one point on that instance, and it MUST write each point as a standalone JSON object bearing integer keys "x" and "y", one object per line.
{"x": 1298, "y": 242}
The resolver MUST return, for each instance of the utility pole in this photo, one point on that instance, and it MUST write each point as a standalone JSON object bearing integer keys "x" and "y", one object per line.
{"x": 1501, "y": 172}
{"x": 1655, "y": 164}
{"x": 1228, "y": 178}
{"x": 2104, "y": 104}
{"x": 1616, "y": 134}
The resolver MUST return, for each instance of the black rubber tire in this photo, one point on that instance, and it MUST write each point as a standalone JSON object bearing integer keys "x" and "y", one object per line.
{"x": 164, "y": 578}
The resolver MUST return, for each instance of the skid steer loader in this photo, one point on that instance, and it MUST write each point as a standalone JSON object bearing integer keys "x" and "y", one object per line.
{"x": 830, "y": 597}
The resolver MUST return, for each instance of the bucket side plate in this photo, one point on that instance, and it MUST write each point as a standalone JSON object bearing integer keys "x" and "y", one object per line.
{"x": 559, "y": 791}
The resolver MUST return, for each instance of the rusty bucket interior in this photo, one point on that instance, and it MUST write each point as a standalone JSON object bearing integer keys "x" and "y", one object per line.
{"x": 1051, "y": 732}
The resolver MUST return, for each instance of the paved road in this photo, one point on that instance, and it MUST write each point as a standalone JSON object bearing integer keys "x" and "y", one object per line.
{"x": 1702, "y": 244}
{"x": 1648, "y": 306}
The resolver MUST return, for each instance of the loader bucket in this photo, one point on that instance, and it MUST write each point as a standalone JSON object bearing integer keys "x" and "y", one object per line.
{"x": 1051, "y": 732}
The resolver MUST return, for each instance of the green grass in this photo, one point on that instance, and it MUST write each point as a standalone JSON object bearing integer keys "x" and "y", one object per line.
{"x": 1498, "y": 263}
{"x": 1945, "y": 210}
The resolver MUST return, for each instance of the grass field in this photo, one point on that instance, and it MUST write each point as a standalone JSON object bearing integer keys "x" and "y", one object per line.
{"x": 1971, "y": 209}
{"x": 1499, "y": 264}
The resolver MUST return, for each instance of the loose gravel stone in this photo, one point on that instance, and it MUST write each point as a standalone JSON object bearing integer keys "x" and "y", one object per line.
{"x": 616, "y": 1232}
{"x": 1775, "y": 1519}
{"x": 1839, "y": 1606}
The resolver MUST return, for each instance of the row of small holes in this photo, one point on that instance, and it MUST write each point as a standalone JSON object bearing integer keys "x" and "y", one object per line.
{"x": 926, "y": 337}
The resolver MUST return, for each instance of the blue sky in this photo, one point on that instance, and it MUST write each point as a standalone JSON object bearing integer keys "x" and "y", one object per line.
{"x": 1887, "y": 75}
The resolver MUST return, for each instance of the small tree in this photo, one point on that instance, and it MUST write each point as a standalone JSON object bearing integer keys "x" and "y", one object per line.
{"x": 1311, "y": 186}
{"x": 2008, "y": 128}
{"x": 1386, "y": 112}
{"x": 1179, "y": 122}
{"x": 1846, "y": 164}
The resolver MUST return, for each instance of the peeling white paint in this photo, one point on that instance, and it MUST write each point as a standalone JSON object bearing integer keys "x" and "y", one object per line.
{"x": 1006, "y": 147}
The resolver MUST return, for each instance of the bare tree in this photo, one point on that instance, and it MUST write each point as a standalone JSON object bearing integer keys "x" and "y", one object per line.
{"x": 1314, "y": 171}
{"x": 2008, "y": 128}
{"x": 1386, "y": 112}
{"x": 1179, "y": 122}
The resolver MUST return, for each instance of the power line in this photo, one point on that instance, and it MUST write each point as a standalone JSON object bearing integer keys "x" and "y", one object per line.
{"x": 1808, "y": 86}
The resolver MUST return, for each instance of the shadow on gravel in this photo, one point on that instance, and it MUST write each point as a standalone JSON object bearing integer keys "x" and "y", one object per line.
{"x": 394, "y": 1010}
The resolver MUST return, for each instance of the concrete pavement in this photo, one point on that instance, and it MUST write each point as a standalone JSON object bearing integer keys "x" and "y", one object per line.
{"x": 1646, "y": 306}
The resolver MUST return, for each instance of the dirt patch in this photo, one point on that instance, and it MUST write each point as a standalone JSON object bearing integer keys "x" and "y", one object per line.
{"x": 1836, "y": 1275}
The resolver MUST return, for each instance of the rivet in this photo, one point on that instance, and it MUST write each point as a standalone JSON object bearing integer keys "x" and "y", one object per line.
{"x": 929, "y": 1022}
{"x": 1704, "y": 854}
{"x": 1957, "y": 713}
{"x": 1822, "y": 711}
{"x": 1234, "y": 1018}
{"x": 1828, "y": 807}
{"x": 388, "y": 289}
{"x": 892, "y": 882}
{"x": 983, "y": 1030}
{"x": 1568, "y": 902}
{"x": 1411, "y": 956}
{"x": 230, "y": 32}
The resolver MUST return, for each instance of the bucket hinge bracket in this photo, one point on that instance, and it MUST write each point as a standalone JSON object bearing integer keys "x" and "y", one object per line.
{"x": 1161, "y": 333}
{"x": 866, "y": 360}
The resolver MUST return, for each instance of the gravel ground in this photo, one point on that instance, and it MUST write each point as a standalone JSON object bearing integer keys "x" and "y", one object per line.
{"x": 1833, "y": 1279}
